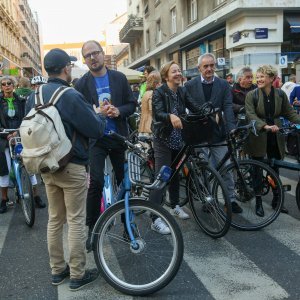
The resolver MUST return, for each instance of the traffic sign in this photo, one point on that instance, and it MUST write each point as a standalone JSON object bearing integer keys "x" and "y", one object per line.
{"x": 283, "y": 61}
{"x": 221, "y": 61}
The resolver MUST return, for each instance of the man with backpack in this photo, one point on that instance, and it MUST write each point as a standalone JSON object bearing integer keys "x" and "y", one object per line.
{"x": 66, "y": 187}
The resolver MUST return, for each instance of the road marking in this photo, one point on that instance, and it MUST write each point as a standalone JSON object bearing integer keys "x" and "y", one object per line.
{"x": 4, "y": 226}
{"x": 223, "y": 272}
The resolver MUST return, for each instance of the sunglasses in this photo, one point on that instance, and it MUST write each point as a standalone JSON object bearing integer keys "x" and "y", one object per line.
{"x": 94, "y": 54}
{"x": 6, "y": 83}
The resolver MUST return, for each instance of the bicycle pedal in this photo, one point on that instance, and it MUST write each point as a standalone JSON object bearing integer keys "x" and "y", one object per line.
{"x": 286, "y": 187}
{"x": 10, "y": 204}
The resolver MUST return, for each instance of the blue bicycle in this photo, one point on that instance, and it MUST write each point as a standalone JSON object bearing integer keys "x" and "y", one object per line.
{"x": 131, "y": 256}
{"x": 21, "y": 179}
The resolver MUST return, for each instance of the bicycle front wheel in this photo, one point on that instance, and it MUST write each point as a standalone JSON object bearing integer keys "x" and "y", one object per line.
{"x": 298, "y": 195}
{"x": 209, "y": 200}
{"x": 147, "y": 269}
{"x": 255, "y": 183}
{"x": 26, "y": 197}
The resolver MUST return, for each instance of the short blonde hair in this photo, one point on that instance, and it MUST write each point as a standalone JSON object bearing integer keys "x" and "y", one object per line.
{"x": 153, "y": 79}
{"x": 165, "y": 69}
{"x": 268, "y": 70}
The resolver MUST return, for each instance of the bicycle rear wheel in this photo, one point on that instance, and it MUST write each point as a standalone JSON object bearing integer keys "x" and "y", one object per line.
{"x": 26, "y": 197}
{"x": 147, "y": 269}
{"x": 245, "y": 193}
{"x": 298, "y": 195}
{"x": 209, "y": 200}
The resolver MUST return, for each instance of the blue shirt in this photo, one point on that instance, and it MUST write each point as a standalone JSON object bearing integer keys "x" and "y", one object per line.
{"x": 103, "y": 91}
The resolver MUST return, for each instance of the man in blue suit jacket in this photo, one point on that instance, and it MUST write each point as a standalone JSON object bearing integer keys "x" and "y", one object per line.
{"x": 110, "y": 90}
{"x": 208, "y": 88}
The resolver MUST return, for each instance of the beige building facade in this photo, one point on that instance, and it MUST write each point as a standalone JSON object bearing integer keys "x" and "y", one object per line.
{"x": 239, "y": 32}
{"x": 20, "y": 52}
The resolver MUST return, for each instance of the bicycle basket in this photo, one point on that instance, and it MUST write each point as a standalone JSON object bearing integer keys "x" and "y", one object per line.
{"x": 197, "y": 131}
{"x": 138, "y": 170}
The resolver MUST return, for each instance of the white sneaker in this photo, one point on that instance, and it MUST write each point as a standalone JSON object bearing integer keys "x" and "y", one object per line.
{"x": 160, "y": 226}
{"x": 180, "y": 213}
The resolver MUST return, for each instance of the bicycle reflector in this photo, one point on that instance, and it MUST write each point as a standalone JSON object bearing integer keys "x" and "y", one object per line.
{"x": 165, "y": 173}
{"x": 18, "y": 149}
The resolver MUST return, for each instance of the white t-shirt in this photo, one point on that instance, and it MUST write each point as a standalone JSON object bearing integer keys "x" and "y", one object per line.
{"x": 288, "y": 88}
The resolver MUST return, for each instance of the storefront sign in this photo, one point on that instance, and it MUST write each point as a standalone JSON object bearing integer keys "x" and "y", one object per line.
{"x": 236, "y": 36}
{"x": 261, "y": 33}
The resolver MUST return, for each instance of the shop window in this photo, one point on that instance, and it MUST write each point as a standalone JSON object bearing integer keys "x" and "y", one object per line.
{"x": 147, "y": 40}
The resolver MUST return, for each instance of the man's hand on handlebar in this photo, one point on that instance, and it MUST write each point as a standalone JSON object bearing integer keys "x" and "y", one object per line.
{"x": 272, "y": 128}
{"x": 176, "y": 122}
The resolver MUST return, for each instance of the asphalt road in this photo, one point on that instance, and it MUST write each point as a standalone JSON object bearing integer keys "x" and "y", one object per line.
{"x": 242, "y": 265}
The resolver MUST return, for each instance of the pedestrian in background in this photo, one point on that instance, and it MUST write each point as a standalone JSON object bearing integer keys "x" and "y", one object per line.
{"x": 229, "y": 79}
{"x": 143, "y": 86}
{"x": 12, "y": 112}
{"x": 243, "y": 85}
{"x": 289, "y": 85}
{"x": 66, "y": 189}
{"x": 153, "y": 81}
{"x": 266, "y": 111}
{"x": 109, "y": 90}
{"x": 24, "y": 88}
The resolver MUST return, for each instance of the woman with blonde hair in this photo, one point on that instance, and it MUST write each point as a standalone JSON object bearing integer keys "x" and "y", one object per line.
{"x": 266, "y": 105}
{"x": 169, "y": 101}
{"x": 153, "y": 81}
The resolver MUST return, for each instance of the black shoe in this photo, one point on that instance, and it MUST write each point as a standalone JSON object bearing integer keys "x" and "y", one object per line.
{"x": 88, "y": 277}
{"x": 259, "y": 210}
{"x": 274, "y": 205}
{"x": 3, "y": 206}
{"x": 59, "y": 278}
{"x": 39, "y": 202}
{"x": 236, "y": 209}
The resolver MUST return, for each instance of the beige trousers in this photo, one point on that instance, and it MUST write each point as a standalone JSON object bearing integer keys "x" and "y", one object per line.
{"x": 66, "y": 191}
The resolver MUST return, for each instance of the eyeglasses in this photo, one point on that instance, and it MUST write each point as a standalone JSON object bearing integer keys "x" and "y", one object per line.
{"x": 70, "y": 65}
{"x": 94, "y": 54}
{"x": 6, "y": 83}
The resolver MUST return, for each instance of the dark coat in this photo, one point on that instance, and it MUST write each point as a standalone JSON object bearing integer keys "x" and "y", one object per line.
{"x": 9, "y": 123}
{"x": 77, "y": 116}
{"x": 162, "y": 106}
{"x": 221, "y": 98}
{"x": 121, "y": 96}
{"x": 239, "y": 96}
{"x": 257, "y": 145}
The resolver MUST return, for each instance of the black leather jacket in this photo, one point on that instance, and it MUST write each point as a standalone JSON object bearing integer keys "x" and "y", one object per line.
{"x": 163, "y": 105}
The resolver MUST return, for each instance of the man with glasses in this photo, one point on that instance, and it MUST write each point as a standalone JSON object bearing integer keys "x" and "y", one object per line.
{"x": 109, "y": 90}
{"x": 209, "y": 88}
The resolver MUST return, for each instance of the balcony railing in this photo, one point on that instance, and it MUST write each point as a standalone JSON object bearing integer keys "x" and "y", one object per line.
{"x": 131, "y": 30}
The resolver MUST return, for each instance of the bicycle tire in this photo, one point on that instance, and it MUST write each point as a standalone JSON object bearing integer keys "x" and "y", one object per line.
{"x": 246, "y": 198}
{"x": 209, "y": 200}
{"x": 26, "y": 197}
{"x": 137, "y": 273}
{"x": 298, "y": 195}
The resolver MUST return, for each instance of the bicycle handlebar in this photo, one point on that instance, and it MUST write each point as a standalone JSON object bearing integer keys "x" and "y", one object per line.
{"x": 6, "y": 132}
{"x": 125, "y": 141}
{"x": 247, "y": 127}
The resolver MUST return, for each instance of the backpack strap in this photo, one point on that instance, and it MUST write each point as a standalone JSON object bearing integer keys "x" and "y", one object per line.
{"x": 38, "y": 98}
{"x": 57, "y": 94}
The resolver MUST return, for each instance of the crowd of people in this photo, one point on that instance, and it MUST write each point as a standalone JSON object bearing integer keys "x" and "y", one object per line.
{"x": 101, "y": 101}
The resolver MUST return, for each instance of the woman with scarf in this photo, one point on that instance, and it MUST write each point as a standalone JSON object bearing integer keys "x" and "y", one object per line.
{"x": 12, "y": 111}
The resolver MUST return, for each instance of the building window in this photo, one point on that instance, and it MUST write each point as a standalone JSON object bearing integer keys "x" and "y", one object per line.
{"x": 146, "y": 8}
{"x": 173, "y": 21}
{"x": 158, "y": 32}
{"x": 137, "y": 9}
{"x": 219, "y": 2}
{"x": 147, "y": 40}
{"x": 192, "y": 10}
{"x": 156, "y": 2}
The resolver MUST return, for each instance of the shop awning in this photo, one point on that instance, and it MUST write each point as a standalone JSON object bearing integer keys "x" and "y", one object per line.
{"x": 294, "y": 23}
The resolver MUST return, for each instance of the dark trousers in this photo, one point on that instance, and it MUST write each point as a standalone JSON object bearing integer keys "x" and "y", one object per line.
{"x": 272, "y": 152}
{"x": 164, "y": 157}
{"x": 98, "y": 153}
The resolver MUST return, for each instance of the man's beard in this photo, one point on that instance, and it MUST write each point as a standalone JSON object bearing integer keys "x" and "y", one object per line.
{"x": 96, "y": 69}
